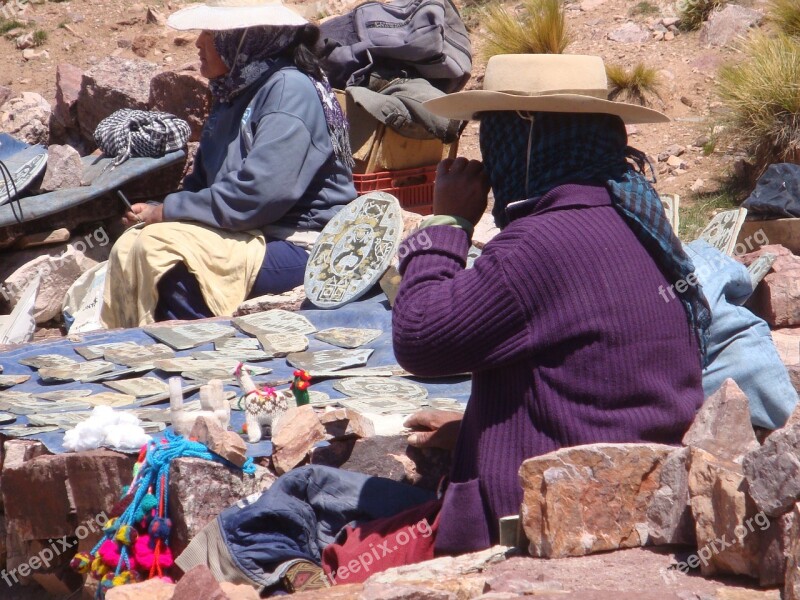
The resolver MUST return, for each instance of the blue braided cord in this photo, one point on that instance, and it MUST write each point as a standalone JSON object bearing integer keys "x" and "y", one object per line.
{"x": 97, "y": 546}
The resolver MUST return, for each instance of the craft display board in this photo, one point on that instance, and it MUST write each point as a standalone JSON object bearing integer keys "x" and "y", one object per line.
{"x": 372, "y": 313}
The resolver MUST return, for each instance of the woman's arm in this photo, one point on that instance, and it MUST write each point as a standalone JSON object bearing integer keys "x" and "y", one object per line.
{"x": 272, "y": 178}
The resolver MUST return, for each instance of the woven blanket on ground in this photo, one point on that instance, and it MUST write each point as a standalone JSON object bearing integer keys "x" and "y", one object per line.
{"x": 128, "y": 133}
{"x": 225, "y": 263}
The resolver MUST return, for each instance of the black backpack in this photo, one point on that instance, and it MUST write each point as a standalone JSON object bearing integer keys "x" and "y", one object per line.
{"x": 411, "y": 38}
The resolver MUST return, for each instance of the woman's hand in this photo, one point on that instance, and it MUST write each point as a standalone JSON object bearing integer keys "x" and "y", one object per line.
{"x": 440, "y": 428}
{"x": 461, "y": 189}
{"x": 143, "y": 213}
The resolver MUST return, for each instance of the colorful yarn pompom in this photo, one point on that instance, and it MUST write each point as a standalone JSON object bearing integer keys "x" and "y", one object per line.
{"x": 81, "y": 563}
{"x": 144, "y": 554}
{"x": 111, "y": 526}
{"x": 149, "y": 502}
{"x": 99, "y": 568}
{"x": 126, "y": 535}
{"x": 160, "y": 529}
{"x": 124, "y": 578}
{"x": 109, "y": 553}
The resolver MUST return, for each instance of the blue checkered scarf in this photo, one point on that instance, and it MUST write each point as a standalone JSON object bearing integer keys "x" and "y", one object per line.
{"x": 585, "y": 148}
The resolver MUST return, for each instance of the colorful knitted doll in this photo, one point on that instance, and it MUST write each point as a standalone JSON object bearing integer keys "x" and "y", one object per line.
{"x": 300, "y": 385}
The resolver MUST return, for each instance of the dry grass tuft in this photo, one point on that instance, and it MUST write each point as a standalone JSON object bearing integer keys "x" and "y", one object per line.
{"x": 762, "y": 93}
{"x": 786, "y": 15}
{"x": 692, "y": 13}
{"x": 540, "y": 29}
{"x": 635, "y": 86}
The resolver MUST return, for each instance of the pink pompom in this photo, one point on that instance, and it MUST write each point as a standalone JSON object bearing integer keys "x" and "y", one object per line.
{"x": 143, "y": 554}
{"x": 109, "y": 553}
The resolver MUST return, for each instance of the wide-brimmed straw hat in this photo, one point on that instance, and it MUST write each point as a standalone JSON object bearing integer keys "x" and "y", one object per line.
{"x": 221, "y": 15}
{"x": 542, "y": 82}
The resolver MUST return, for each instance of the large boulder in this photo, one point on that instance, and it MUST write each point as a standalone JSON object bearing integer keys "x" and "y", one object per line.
{"x": 110, "y": 85}
{"x": 26, "y": 117}
{"x": 184, "y": 94}
{"x": 64, "y": 168}
{"x": 200, "y": 489}
{"x": 68, "y": 88}
{"x": 669, "y": 516}
{"x": 729, "y": 24}
{"x": 591, "y": 498}
{"x": 773, "y": 470}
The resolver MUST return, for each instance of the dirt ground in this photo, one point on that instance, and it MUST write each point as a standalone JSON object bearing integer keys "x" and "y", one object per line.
{"x": 81, "y": 32}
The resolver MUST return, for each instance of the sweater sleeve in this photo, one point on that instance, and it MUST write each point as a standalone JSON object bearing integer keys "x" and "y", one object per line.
{"x": 196, "y": 180}
{"x": 271, "y": 179}
{"x": 449, "y": 320}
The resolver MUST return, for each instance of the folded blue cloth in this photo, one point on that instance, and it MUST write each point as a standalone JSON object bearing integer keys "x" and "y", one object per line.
{"x": 740, "y": 346}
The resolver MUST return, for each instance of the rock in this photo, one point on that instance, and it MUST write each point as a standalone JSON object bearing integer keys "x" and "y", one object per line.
{"x": 670, "y": 21}
{"x": 31, "y": 54}
{"x": 698, "y": 185}
{"x": 387, "y": 456}
{"x": 296, "y": 432}
{"x": 5, "y": 94}
{"x": 773, "y": 471}
{"x": 722, "y": 512}
{"x": 64, "y": 168}
{"x": 775, "y": 299}
{"x": 58, "y": 266}
{"x": 68, "y": 87}
{"x": 726, "y": 25}
{"x": 791, "y": 589}
{"x": 26, "y": 117}
{"x": 143, "y": 43}
{"x": 589, "y": 5}
{"x": 184, "y": 39}
{"x": 669, "y": 516}
{"x": 199, "y": 490}
{"x": 199, "y": 583}
{"x": 155, "y": 17}
{"x": 784, "y": 259}
{"x": 152, "y": 589}
{"x": 238, "y": 592}
{"x": 390, "y": 591}
{"x": 669, "y": 36}
{"x": 675, "y": 150}
{"x": 290, "y": 300}
{"x": 343, "y": 423}
{"x": 184, "y": 94}
{"x": 24, "y": 41}
{"x": 629, "y": 33}
{"x": 411, "y": 221}
{"x": 676, "y": 162}
{"x": 591, "y": 498}
{"x": 228, "y": 444}
{"x": 776, "y": 541}
{"x": 110, "y": 85}
{"x": 722, "y": 425}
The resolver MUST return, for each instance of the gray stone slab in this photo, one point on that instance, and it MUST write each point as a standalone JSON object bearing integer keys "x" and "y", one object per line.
{"x": 381, "y": 387}
{"x": 354, "y": 249}
{"x": 329, "y": 360}
{"x": 381, "y": 405}
{"x": 98, "y": 350}
{"x": 120, "y": 374}
{"x": 25, "y": 431}
{"x": 183, "y": 337}
{"x": 273, "y": 321}
{"x": 347, "y": 337}
{"x": 283, "y": 344}
{"x": 43, "y": 361}
{"x": 357, "y": 372}
{"x": 723, "y": 230}
{"x": 60, "y": 395}
{"x": 76, "y": 372}
{"x": 131, "y": 356}
{"x": 759, "y": 268}
{"x": 7, "y": 381}
{"x": 6, "y": 418}
{"x": 141, "y": 387}
{"x": 112, "y": 399}
{"x": 239, "y": 343}
{"x": 35, "y": 407}
{"x": 240, "y": 354}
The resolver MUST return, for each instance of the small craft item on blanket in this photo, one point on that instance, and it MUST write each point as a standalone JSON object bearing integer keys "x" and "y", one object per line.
{"x": 7, "y": 381}
{"x": 98, "y": 350}
{"x": 141, "y": 387}
{"x": 135, "y": 545}
{"x": 371, "y": 387}
{"x": 347, "y": 337}
{"x": 76, "y": 372}
{"x": 275, "y": 320}
{"x": 41, "y": 361}
{"x": 354, "y": 250}
{"x": 299, "y": 387}
{"x": 281, "y": 344}
{"x": 127, "y": 133}
{"x": 184, "y": 337}
{"x": 329, "y": 360}
{"x": 262, "y": 405}
{"x": 131, "y": 356}
{"x": 213, "y": 405}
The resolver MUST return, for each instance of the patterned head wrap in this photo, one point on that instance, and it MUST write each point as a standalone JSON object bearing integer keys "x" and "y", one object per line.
{"x": 528, "y": 155}
{"x": 249, "y": 53}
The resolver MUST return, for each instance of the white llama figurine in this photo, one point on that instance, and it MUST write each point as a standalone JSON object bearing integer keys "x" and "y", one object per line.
{"x": 212, "y": 405}
{"x": 262, "y": 406}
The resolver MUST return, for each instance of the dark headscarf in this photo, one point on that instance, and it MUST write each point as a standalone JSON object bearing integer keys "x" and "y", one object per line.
{"x": 249, "y": 53}
{"x": 585, "y": 148}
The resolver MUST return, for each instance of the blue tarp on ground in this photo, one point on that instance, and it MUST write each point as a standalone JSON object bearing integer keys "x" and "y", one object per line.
{"x": 371, "y": 313}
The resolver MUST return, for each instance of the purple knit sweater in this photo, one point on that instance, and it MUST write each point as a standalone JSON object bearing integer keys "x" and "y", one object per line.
{"x": 567, "y": 337}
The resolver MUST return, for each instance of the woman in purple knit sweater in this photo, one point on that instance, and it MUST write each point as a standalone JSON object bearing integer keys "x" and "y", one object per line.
{"x": 562, "y": 321}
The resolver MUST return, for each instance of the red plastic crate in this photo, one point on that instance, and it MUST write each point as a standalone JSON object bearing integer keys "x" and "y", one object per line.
{"x": 413, "y": 188}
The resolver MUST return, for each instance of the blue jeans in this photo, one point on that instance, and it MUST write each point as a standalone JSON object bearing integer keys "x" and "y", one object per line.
{"x": 179, "y": 295}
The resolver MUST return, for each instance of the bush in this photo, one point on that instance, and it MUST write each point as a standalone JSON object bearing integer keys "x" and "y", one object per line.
{"x": 786, "y": 14}
{"x": 692, "y": 13}
{"x": 7, "y": 25}
{"x": 644, "y": 9}
{"x": 762, "y": 93}
{"x": 39, "y": 37}
{"x": 540, "y": 29}
{"x": 634, "y": 86}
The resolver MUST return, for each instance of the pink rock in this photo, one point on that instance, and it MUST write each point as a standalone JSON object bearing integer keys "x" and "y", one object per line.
{"x": 777, "y": 298}
{"x": 199, "y": 583}
{"x": 112, "y": 84}
{"x": 68, "y": 87}
{"x": 184, "y": 94}
{"x": 26, "y": 117}
{"x": 64, "y": 168}
{"x": 726, "y": 25}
